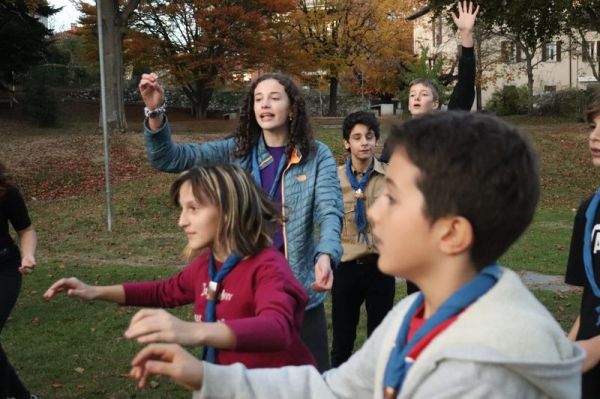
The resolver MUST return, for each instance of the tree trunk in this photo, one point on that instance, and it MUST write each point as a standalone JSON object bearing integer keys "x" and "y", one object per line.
{"x": 333, "y": 89}
{"x": 199, "y": 93}
{"x": 479, "y": 72}
{"x": 113, "y": 31}
{"x": 530, "y": 82}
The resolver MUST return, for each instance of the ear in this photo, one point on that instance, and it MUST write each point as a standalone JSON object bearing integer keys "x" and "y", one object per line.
{"x": 456, "y": 235}
{"x": 346, "y": 145}
{"x": 436, "y": 104}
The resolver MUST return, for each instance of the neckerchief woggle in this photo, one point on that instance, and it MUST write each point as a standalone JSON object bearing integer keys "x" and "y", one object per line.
{"x": 209, "y": 353}
{"x": 256, "y": 172}
{"x": 399, "y": 363}
{"x": 360, "y": 211}
{"x": 590, "y": 215}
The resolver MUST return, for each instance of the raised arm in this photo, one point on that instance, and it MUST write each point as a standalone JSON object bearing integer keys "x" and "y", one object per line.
{"x": 463, "y": 95}
{"x": 165, "y": 155}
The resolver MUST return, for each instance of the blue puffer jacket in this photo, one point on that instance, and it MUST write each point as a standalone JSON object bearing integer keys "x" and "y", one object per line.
{"x": 311, "y": 195}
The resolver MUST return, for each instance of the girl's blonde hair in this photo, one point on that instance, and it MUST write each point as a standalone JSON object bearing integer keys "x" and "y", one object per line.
{"x": 247, "y": 218}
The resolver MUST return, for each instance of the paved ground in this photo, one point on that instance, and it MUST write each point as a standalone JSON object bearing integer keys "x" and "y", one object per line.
{"x": 555, "y": 283}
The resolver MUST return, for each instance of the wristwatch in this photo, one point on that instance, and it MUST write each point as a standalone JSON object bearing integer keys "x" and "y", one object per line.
{"x": 153, "y": 113}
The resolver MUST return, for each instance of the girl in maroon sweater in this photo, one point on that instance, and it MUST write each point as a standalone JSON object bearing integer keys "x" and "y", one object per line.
{"x": 235, "y": 278}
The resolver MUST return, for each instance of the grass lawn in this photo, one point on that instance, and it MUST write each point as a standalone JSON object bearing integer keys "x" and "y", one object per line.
{"x": 71, "y": 349}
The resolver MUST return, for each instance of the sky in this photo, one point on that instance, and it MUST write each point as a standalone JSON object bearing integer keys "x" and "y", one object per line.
{"x": 62, "y": 21}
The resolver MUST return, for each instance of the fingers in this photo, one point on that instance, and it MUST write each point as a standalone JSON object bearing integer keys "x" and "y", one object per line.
{"x": 142, "y": 314}
{"x": 25, "y": 270}
{"x": 454, "y": 17}
{"x": 323, "y": 283}
{"x": 151, "y": 325}
{"x": 55, "y": 288}
{"x": 148, "y": 81}
{"x": 169, "y": 360}
{"x": 164, "y": 352}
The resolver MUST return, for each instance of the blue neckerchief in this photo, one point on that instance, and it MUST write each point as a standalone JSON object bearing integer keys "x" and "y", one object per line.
{"x": 590, "y": 215}
{"x": 214, "y": 289}
{"x": 360, "y": 211}
{"x": 256, "y": 171}
{"x": 398, "y": 362}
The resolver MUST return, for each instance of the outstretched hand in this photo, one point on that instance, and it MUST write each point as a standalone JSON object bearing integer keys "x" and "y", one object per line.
{"x": 170, "y": 360}
{"x": 158, "y": 325}
{"x": 465, "y": 21}
{"x": 73, "y": 287}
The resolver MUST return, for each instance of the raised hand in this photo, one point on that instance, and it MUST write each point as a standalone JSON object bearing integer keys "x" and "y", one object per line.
{"x": 169, "y": 360}
{"x": 152, "y": 92}
{"x": 73, "y": 287}
{"x": 158, "y": 325}
{"x": 465, "y": 21}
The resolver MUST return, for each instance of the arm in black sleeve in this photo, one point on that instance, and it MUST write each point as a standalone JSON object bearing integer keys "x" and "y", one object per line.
{"x": 575, "y": 274}
{"x": 464, "y": 92}
{"x": 17, "y": 210}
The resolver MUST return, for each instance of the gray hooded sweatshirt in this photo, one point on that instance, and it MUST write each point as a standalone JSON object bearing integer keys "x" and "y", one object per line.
{"x": 505, "y": 345}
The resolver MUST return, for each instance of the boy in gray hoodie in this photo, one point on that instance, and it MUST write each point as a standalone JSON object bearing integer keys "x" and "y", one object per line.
{"x": 460, "y": 189}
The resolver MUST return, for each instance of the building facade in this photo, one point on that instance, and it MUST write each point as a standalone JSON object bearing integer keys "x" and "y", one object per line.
{"x": 560, "y": 64}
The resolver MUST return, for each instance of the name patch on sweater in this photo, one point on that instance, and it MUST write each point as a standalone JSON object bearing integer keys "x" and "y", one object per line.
{"x": 223, "y": 295}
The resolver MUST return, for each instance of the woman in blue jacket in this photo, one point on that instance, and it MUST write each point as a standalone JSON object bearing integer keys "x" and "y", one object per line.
{"x": 275, "y": 143}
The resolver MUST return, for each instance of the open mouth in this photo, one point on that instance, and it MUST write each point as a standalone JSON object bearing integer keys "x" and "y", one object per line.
{"x": 267, "y": 116}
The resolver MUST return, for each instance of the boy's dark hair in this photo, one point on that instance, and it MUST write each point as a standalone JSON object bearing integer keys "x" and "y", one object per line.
{"x": 429, "y": 84}
{"x": 594, "y": 109}
{"x": 477, "y": 167}
{"x": 365, "y": 118}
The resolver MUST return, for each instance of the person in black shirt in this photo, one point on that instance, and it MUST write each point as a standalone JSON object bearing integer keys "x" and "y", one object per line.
{"x": 583, "y": 270}
{"x": 423, "y": 95}
{"x": 13, "y": 263}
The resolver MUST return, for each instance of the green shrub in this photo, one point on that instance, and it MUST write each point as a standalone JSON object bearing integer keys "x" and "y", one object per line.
{"x": 39, "y": 101}
{"x": 65, "y": 76}
{"x": 510, "y": 100}
{"x": 568, "y": 103}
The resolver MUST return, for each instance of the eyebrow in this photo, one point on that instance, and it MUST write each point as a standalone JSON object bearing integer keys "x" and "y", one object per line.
{"x": 272, "y": 92}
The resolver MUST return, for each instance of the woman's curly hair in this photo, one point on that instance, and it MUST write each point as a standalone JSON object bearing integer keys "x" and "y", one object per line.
{"x": 300, "y": 132}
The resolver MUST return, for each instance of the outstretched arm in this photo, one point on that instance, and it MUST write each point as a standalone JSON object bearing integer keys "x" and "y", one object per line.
{"x": 77, "y": 288}
{"x": 158, "y": 325}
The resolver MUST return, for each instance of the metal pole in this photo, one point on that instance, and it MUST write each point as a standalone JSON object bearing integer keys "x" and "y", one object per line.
{"x": 104, "y": 123}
